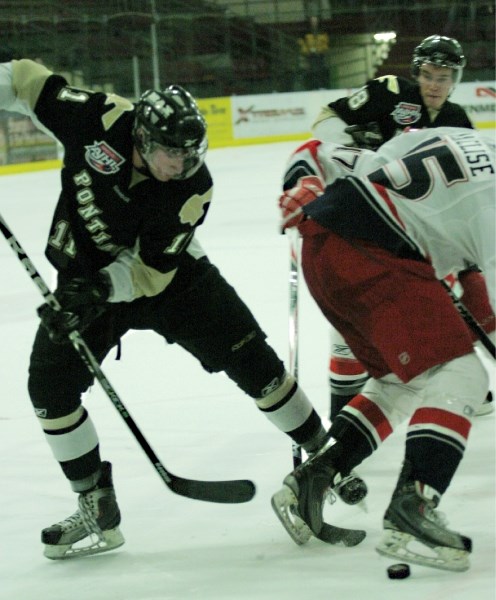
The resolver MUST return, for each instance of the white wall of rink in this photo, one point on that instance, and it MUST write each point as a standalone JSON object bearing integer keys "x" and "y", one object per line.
{"x": 232, "y": 121}
{"x": 278, "y": 117}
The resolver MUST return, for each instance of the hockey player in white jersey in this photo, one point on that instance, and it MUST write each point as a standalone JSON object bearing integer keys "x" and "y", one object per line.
{"x": 373, "y": 251}
{"x": 367, "y": 119}
{"x": 347, "y": 375}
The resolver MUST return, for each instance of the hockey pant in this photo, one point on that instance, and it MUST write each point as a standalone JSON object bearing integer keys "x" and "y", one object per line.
{"x": 210, "y": 321}
{"x": 347, "y": 376}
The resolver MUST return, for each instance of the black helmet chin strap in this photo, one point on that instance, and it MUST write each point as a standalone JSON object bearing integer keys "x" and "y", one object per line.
{"x": 144, "y": 169}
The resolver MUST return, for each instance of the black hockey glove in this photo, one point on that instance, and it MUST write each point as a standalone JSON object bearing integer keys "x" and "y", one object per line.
{"x": 82, "y": 301}
{"x": 366, "y": 136}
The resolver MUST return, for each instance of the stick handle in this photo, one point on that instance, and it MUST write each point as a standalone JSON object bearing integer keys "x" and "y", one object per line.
{"x": 294, "y": 271}
{"x": 83, "y": 350}
{"x": 225, "y": 492}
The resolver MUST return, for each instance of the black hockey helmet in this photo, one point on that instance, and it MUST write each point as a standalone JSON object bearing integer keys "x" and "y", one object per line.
{"x": 171, "y": 119}
{"x": 440, "y": 51}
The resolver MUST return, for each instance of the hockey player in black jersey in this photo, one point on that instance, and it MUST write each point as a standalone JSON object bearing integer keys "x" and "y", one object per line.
{"x": 388, "y": 105}
{"x": 134, "y": 188}
{"x": 374, "y": 114}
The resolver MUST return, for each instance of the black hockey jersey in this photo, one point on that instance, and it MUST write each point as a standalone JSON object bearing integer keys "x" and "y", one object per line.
{"x": 395, "y": 103}
{"x": 107, "y": 206}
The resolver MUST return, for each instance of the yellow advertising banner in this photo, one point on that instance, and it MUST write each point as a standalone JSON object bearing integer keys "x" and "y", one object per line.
{"x": 217, "y": 112}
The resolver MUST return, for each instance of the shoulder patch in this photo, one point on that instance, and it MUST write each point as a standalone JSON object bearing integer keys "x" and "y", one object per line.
{"x": 406, "y": 113}
{"x": 103, "y": 158}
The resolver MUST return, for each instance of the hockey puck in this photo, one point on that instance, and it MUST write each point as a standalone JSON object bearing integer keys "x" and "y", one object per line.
{"x": 398, "y": 571}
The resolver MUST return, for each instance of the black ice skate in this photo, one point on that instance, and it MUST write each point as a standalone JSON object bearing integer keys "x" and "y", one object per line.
{"x": 299, "y": 504}
{"x": 95, "y": 524}
{"x": 415, "y": 532}
{"x": 351, "y": 489}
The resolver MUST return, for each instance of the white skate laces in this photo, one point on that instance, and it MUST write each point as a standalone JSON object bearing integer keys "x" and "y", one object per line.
{"x": 91, "y": 529}
{"x": 81, "y": 535}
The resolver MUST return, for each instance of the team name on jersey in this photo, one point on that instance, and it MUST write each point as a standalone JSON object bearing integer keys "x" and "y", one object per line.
{"x": 476, "y": 155}
{"x": 90, "y": 213}
{"x": 103, "y": 158}
{"x": 405, "y": 113}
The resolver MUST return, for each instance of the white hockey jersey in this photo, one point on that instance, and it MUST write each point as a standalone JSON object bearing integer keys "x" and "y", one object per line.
{"x": 430, "y": 191}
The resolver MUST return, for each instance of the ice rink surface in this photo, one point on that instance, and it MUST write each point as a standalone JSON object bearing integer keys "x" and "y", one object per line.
{"x": 202, "y": 426}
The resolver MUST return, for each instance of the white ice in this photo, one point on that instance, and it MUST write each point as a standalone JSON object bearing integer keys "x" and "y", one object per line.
{"x": 202, "y": 426}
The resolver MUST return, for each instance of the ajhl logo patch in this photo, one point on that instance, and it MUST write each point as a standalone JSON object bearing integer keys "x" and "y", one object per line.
{"x": 103, "y": 158}
{"x": 405, "y": 113}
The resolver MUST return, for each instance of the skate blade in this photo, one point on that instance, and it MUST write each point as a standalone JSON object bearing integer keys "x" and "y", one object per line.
{"x": 284, "y": 503}
{"x": 110, "y": 539}
{"x": 408, "y": 548}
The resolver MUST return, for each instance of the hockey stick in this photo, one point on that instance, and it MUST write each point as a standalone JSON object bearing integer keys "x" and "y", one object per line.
{"x": 228, "y": 492}
{"x": 294, "y": 265}
{"x": 330, "y": 534}
{"x": 471, "y": 321}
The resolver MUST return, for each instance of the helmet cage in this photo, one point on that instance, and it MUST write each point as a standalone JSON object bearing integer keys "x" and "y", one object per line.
{"x": 171, "y": 120}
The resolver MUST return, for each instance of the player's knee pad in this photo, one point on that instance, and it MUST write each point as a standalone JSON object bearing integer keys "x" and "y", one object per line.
{"x": 50, "y": 397}
{"x": 392, "y": 398}
{"x": 256, "y": 368}
{"x": 372, "y": 415}
{"x": 57, "y": 378}
{"x": 458, "y": 386}
{"x": 438, "y": 430}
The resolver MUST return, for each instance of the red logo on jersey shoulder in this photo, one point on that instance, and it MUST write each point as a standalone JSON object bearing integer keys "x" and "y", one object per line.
{"x": 405, "y": 113}
{"x": 103, "y": 158}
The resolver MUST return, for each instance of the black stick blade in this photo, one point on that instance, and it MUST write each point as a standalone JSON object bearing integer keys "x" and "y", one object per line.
{"x": 235, "y": 491}
{"x": 330, "y": 534}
